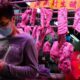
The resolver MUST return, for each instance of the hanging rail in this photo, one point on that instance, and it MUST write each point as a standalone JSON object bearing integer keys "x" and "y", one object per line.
{"x": 16, "y": 2}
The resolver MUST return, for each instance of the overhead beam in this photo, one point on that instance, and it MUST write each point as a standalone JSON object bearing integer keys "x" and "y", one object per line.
{"x": 18, "y": 7}
{"x": 17, "y": 2}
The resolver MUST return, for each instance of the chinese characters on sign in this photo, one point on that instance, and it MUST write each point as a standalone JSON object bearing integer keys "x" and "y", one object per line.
{"x": 56, "y": 4}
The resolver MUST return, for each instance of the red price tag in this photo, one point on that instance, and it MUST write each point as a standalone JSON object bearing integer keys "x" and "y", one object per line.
{"x": 63, "y": 3}
{"x": 73, "y": 4}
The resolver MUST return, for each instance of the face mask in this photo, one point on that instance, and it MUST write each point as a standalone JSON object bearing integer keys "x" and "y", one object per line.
{"x": 6, "y": 31}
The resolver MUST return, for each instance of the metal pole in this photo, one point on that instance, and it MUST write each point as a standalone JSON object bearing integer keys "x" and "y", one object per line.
{"x": 68, "y": 11}
{"x": 19, "y": 14}
{"x": 16, "y": 2}
{"x": 18, "y": 7}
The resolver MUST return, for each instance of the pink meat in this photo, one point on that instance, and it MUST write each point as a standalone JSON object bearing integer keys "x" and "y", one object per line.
{"x": 46, "y": 46}
{"x": 39, "y": 35}
{"x": 65, "y": 66}
{"x": 46, "y": 16}
{"x": 65, "y": 56}
{"x": 34, "y": 32}
{"x": 54, "y": 52}
{"x": 62, "y": 21}
{"x": 25, "y": 18}
{"x": 66, "y": 51}
{"x": 76, "y": 24}
{"x": 26, "y": 14}
{"x": 42, "y": 17}
{"x": 27, "y": 29}
{"x": 61, "y": 39}
{"x": 33, "y": 16}
{"x": 49, "y": 14}
{"x": 49, "y": 31}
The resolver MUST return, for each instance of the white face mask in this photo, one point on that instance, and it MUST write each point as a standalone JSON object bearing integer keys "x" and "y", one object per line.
{"x": 6, "y": 31}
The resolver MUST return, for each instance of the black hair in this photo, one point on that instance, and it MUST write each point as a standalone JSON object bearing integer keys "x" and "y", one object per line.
{"x": 6, "y": 11}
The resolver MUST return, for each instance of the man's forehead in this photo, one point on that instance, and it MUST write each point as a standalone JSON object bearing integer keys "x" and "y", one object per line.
{"x": 4, "y": 19}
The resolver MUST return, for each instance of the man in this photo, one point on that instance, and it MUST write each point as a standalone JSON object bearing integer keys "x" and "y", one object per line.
{"x": 18, "y": 55}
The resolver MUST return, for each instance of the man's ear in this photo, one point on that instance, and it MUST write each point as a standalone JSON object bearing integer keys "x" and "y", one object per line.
{"x": 13, "y": 19}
